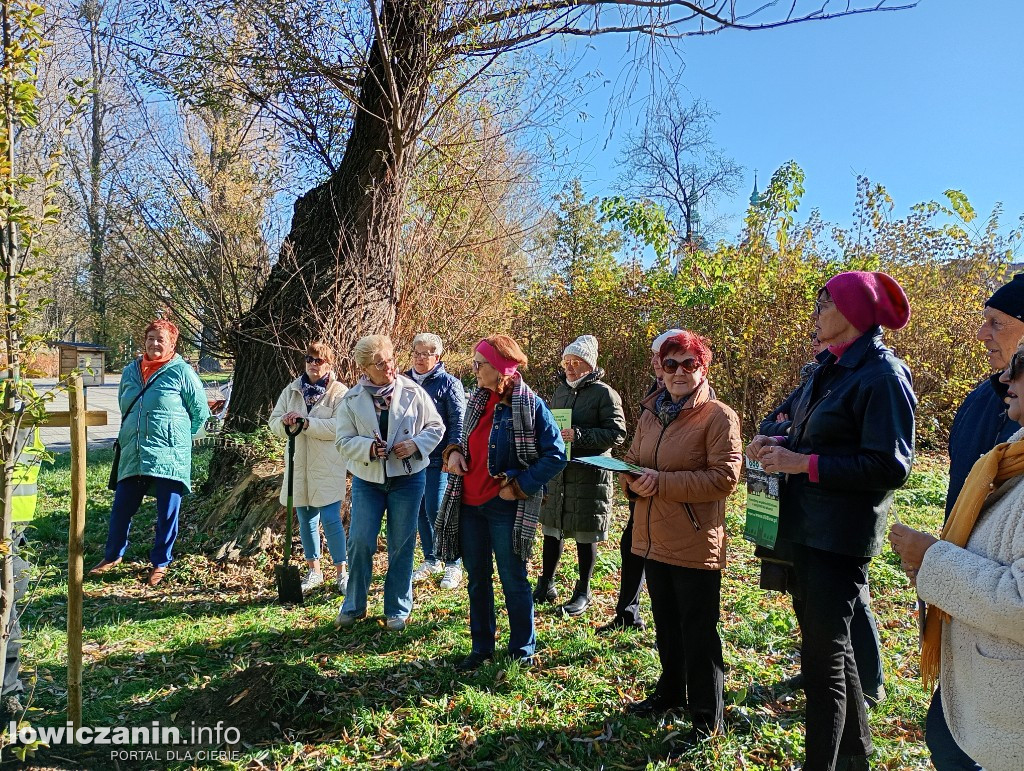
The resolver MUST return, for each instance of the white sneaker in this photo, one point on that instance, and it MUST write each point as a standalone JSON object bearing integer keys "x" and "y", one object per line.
{"x": 452, "y": 577}
{"x": 311, "y": 581}
{"x": 342, "y": 583}
{"x": 345, "y": 620}
{"x": 426, "y": 570}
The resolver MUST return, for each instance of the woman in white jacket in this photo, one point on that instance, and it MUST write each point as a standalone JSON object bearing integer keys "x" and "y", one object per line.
{"x": 973, "y": 582}
{"x": 386, "y": 428}
{"x": 319, "y": 485}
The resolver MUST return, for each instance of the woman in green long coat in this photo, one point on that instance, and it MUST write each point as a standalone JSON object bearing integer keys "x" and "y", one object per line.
{"x": 163, "y": 406}
{"x": 579, "y": 500}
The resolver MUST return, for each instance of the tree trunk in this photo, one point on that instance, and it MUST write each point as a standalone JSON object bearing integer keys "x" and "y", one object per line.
{"x": 337, "y": 274}
{"x": 95, "y": 216}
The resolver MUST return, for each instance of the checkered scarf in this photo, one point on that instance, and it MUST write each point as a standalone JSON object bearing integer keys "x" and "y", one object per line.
{"x": 446, "y": 527}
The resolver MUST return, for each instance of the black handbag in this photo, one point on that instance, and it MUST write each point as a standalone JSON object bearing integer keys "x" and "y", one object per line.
{"x": 112, "y": 480}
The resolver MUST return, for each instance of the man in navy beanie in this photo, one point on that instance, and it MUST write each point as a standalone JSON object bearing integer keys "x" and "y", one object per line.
{"x": 981, "y": 422}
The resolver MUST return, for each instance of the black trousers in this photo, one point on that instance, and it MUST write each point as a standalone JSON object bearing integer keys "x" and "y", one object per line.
{"x": 686, "y": 603}
{"x": 829, "y": 585}
{"x": 632, "y": 576}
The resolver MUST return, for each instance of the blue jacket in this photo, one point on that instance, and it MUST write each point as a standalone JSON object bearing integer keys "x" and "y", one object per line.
{"x": 156, "y": 436}
{"x": 450, "y": 400}
{"x": 501, "y": 453}
{"x": 979, "y": 425}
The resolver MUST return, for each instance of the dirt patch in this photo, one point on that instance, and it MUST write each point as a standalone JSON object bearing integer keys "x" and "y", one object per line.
{"x": 262, "y": 702}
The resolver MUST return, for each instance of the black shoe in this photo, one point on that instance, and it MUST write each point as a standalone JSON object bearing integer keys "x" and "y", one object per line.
{"x": 617, "y": 623}
{"x": 10, "y": 708}
{"x": 794, "y": 683}
{"x": 654, "y": 704}
{"x": 545, "y": 591}
{"x": 873, "y": 698}
{"x": 472, "y": 661}
{"x": 580, "y": 601}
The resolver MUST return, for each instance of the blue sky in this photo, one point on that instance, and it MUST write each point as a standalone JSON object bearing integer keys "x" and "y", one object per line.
{"x": 920, "y": 101}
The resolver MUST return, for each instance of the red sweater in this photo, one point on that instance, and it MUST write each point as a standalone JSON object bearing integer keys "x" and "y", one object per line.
{"x": 478, "y": 486}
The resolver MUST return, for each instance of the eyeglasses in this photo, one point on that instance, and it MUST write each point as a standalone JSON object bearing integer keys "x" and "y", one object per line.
{"x": 380, "y": 366}
{"x": 315, "y": 360}
{"x": 687, "y": 365}
{"x": 477, "y": 364}
{"x": 820, "y": 305}
{"x": 421, "y": 355}
{"x": 1016, "y": 366}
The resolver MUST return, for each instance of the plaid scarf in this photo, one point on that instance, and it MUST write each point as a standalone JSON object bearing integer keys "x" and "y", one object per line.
{"x": 446, "y": 527}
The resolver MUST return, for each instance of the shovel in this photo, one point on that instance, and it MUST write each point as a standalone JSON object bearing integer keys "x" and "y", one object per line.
{"x": 289, "y": 583}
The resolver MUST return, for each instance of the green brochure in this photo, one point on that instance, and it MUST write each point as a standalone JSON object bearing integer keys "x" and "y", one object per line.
{"x": 762, "y": 505}
{"x": 563, "y": 418}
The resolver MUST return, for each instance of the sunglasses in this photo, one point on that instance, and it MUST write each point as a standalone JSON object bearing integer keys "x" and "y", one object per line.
{"x": 687, "y": 365}
{"x": 1016, "y": 366}
{"x": 315, "y": 360}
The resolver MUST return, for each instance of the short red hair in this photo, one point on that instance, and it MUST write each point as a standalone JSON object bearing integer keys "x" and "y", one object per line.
{"x": 689, "y": 342}
{"x": 166, "y": 326}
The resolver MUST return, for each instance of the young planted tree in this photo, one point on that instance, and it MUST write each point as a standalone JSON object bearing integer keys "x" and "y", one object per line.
{"x": 21, "y": 228}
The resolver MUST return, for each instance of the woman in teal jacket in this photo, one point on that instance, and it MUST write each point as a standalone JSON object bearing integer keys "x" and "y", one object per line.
{"x": 156, "y": 445}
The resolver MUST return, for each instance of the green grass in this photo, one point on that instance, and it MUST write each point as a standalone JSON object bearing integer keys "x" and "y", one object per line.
{"x": 211, "y": 644}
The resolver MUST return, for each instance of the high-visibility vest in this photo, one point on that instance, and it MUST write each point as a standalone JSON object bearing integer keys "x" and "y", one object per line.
{"x": 25, "y": 479}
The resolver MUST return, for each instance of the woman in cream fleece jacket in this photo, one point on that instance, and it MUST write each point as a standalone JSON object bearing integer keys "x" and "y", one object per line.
{"x": 319, "y": 486}
{"x": 977, "y": 714}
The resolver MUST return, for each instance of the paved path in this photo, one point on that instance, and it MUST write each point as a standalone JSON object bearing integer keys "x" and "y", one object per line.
{"x": 102, "y": 397}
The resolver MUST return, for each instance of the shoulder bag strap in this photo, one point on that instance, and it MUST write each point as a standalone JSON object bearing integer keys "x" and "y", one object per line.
{"x": 139, "y": 396}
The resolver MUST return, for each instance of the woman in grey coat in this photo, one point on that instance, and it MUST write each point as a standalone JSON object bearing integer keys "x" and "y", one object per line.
{"x": 579, "y": 500}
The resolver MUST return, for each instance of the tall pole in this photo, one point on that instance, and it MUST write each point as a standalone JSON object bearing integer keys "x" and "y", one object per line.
{"x": 76, "y": 548}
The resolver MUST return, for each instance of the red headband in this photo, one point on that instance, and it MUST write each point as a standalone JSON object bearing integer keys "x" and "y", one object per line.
{"x": 504, "y": 366}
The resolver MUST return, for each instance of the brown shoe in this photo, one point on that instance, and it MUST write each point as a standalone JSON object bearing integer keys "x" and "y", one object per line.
{"x": 104, "y": 566}
{"x": 156, "y": 575}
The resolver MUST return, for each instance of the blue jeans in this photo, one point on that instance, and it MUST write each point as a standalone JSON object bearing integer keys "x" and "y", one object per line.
{"x": 437, "y": 481}
{"x": 127, "y": 499}
{"x": 946, "y": 753}
{"x": 310, "y": 518}
{"x": 400, "y": 497}
{"x": 484, "y": 530}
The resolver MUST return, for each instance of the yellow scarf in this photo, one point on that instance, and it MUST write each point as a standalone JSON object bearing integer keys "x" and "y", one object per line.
{"x": 1004, "y": 462}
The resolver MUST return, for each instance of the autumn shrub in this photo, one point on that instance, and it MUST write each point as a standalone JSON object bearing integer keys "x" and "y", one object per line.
{"x": 754, "y": 299}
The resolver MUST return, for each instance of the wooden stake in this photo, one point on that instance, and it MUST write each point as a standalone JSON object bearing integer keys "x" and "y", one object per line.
{"x": 76, "y": 549}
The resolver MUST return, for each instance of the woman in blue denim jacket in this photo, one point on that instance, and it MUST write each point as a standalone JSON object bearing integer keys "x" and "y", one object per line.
{"x": 511, "y": 448}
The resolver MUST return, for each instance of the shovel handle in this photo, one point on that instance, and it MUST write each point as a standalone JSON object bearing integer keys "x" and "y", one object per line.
{"x": 297, "y": 426}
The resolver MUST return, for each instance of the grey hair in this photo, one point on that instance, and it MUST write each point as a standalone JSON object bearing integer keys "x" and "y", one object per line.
{"x": 430, "y": 340}
{"x": 368, "y": 347}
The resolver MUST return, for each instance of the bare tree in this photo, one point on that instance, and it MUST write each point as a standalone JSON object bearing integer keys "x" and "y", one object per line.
{"x": 399, "y": 64}
{"x": 673, "y": 160}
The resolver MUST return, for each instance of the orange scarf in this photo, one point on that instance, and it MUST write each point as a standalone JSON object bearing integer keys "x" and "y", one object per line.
{"x": 149, "y": 366}
{"x": 1003, "y": 462}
